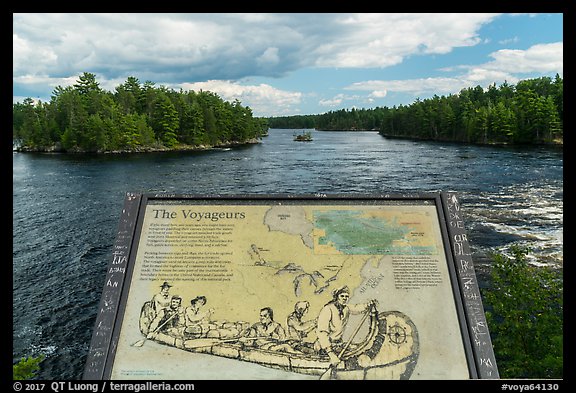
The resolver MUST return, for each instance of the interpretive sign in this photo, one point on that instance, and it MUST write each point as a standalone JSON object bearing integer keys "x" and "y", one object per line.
{"x": 291, "y": 287}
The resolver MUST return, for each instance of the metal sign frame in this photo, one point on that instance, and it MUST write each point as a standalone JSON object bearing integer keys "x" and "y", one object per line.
{"x": 106, "y": 345}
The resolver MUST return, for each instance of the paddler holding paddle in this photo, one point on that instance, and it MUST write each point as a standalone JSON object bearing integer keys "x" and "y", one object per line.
{"x": 332, "y": 320}
{"x": 169, "y": 320}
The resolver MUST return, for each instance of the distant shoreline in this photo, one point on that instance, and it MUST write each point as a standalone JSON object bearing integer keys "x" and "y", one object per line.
{"x": 555, "y": 143}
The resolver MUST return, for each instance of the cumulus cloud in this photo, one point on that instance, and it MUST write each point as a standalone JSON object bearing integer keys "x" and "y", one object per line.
{"x": 381, "y": 40}
{"x": 269, "y": 57}
{"x": 166, "y": 47}
{"x": 335, "y": 101}
{"x": 263, "y": 99}
{"x": 379, "y": 94}
{"x": 413, "y": 86}
{"x": 508, "y": 65}
{"x": 230, "y": 46}
{"x": 30, "y": 59}
{"x": 349, "y": 100}
{"x": 219, "y": 51}
{"x": 543, "y": 58}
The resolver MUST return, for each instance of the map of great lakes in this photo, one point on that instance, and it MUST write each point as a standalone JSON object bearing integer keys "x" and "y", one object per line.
{"x": 372, "y": 232}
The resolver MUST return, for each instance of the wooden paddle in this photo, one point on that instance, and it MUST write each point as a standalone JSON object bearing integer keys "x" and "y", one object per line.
{"x": 328, "y": 373}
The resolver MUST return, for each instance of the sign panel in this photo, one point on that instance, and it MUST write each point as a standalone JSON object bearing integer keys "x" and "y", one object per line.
{"x": 284, "y": 287}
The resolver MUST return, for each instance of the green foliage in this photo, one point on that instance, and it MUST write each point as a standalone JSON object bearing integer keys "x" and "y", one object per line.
{"x": 26, "y": 368}
{"x": 297, "y": 121}
{"x": 529, "y": 113}
{"x": 525, "y": 317}
{"x": 85, "y": 118}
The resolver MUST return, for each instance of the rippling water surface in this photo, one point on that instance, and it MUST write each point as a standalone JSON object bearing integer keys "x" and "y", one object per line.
{"x": 66, "y": 210}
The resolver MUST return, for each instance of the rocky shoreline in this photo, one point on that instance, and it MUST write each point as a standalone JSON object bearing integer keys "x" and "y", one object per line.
{"x": 57, "y": 148}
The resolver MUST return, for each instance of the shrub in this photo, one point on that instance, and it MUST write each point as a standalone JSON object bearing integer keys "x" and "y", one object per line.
{"x": 525, "y": 317}
{"x": 26, "y": 368}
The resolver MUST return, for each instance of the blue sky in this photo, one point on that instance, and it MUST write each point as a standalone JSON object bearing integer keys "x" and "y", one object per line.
{"x": 284, "y": 64}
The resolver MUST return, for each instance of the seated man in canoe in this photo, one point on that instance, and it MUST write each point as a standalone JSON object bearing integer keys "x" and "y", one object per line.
{"x": 169, "y": 321}
{"x": 268, "y": 334}
{"x": 298, "y": 328}
{"x": 197, "y": 318}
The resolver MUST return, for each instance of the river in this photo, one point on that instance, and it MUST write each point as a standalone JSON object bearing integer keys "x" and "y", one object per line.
{"x": 66, "y": 210}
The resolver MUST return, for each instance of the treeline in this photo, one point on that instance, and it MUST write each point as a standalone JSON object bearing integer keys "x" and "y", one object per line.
{"x": 134, "y": 117}
{"x": 296, "y": 121}
{"x": 530, "y": 112}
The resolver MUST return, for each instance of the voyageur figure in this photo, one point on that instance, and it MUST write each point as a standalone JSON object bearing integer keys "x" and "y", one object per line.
{"x": 197, "y": 319}
{"x": 162, "y": 299}
{"x": 332, "y": 320}
{"x": 169, "y": 320}
{"x": 297, "y": 328}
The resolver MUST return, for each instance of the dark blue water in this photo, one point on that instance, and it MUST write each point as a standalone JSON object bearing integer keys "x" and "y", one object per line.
{"x": 66, "y": 210}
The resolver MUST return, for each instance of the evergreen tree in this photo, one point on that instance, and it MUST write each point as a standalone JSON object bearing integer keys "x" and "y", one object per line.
{"x": 164, "y": 120}
{"x": 128, "y": 96}
{"x": 531, "y": 112}
{"x": 525, "y": 316}
{"x": 83, "y": 117}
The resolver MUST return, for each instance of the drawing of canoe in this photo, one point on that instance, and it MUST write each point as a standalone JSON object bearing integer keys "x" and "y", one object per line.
{"x": 389, "y": 351}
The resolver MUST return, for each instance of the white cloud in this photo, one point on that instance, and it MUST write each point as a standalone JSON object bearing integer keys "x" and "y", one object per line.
{"x": 27, "y": 59}
{"x": 335, "y": 101}
{"x": 381, "y": 40}
{"x": 339, "y": 99}
{"x": 263, "y": 99}
{"x": 412, "y": 86}
{"x": 44, "y": 79}
{"x": 269, "y": 57}
{"x": 509, "y": 41}
{"x": 171, "y": 47}
{"x": 230, "y": 46}
{"x": 508, "y": 65}
{"x": 378, "y": 94}
{"x": 542, "y": 58}
{"x": 224, "y": 49}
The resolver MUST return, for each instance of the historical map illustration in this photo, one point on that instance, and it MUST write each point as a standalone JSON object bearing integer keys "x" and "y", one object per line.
{"x": 290, "y": 291}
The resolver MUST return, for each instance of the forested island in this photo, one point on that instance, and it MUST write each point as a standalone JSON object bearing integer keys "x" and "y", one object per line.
{"x": 530, "y": 112}
{"x": 142, "y": 117}
{"x": 135, "y": 117}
